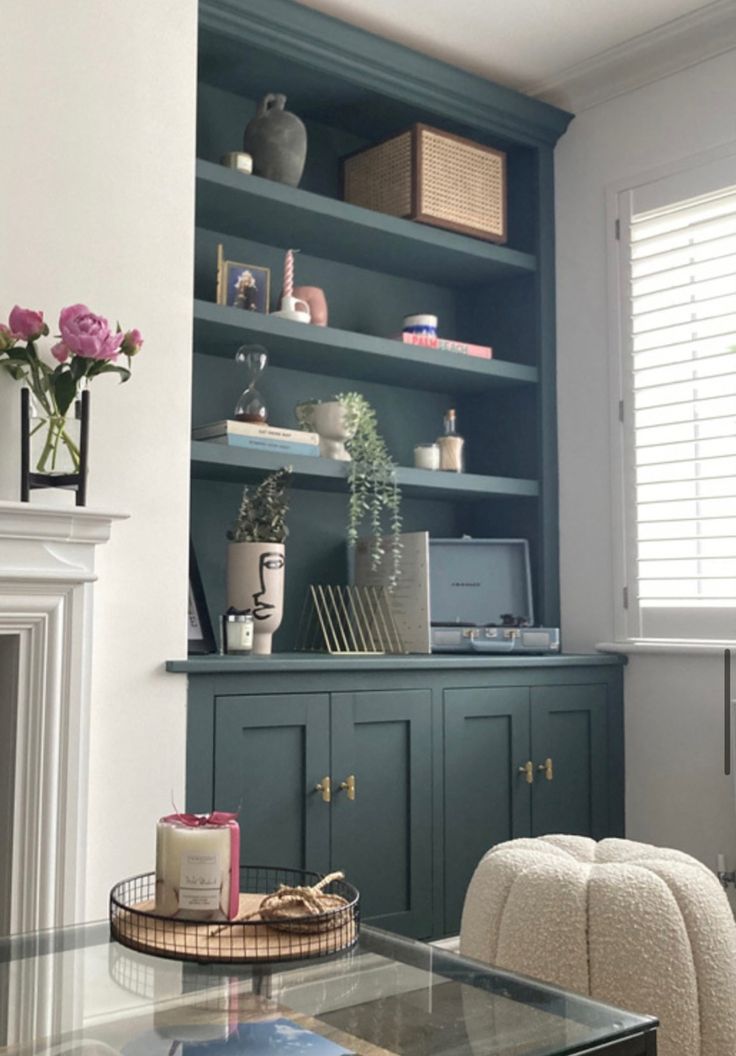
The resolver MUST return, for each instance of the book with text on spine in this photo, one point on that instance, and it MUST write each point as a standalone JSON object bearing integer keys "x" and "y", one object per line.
{"x": 230, "y": 428}
{"x": 442, "y": 344}
{"x": 265, "y": 443}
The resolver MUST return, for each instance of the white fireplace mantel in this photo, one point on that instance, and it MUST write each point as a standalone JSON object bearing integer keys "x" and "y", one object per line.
{"x": 47, "y": 560}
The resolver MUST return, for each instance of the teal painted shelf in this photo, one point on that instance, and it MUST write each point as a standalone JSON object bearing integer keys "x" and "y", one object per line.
{"x": 265, "y": 211}
{"x": 321, "y": 349}
{"x": 285, "y": 662}
{"x": 220, "y": 462}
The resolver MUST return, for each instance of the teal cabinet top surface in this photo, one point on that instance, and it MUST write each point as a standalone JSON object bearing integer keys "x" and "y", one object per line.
{"x": 295, "y": 662}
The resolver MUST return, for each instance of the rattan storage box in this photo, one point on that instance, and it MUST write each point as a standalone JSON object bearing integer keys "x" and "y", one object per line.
{"x": 434, "y": 177}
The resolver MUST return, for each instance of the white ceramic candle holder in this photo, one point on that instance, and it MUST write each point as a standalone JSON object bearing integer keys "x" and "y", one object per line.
{"x": 294, "y": 309}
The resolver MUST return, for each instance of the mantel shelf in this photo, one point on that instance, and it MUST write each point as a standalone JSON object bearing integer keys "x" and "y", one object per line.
{"x": 264, "y": 211}
{"x": 220, "y": 462}
{"x": 323, "y": 350}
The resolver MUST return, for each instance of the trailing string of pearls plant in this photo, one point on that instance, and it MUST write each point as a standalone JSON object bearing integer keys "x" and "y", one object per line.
{"x": 372, "y": 479}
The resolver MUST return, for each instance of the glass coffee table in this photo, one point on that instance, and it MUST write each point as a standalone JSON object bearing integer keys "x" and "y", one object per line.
{"x": 74, "y": 992}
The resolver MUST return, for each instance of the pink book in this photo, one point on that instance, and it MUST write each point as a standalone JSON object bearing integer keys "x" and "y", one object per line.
{"x": 445, "y": 345}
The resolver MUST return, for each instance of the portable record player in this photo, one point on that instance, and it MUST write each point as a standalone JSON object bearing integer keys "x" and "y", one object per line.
{"x": 481, "y": 598}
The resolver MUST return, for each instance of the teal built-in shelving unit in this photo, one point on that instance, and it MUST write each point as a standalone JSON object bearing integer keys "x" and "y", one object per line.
{"x": 351, "y": 89}
{"x": 434, "y": 743}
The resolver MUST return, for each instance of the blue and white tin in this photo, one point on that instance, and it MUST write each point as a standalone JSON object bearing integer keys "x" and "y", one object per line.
{"x": 420, "y": 324}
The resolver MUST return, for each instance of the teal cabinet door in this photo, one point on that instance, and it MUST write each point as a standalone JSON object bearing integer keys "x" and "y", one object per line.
{"x": 487, "y": 800}
{"x": 568, "y": 726}
{"x": 270, "y": 752}
{"x": 381, "y": 838}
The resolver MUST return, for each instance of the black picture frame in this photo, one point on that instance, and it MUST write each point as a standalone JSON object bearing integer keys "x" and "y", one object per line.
{"x": 200, "y": 636}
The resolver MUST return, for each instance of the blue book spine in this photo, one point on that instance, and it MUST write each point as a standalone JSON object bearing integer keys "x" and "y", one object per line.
{"x": 262, "y": 443}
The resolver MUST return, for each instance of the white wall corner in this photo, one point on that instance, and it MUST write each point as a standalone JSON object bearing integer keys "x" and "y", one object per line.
{"x": 681, "y": 43}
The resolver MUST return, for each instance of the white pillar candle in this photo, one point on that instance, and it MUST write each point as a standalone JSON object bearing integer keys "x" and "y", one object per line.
{"x": 194, "y": 878}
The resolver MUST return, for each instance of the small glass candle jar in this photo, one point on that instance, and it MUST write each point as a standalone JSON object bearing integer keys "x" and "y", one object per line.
{"x": 237, "y": 633}
{"x": 427, "y": 456}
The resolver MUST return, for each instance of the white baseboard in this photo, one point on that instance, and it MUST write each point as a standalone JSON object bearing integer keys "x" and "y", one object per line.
{"x": 451, "y": 943}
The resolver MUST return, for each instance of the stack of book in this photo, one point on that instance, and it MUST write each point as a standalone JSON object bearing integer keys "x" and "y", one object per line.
{"x": 259, "y": 437}
{"x": 444, "y": 345}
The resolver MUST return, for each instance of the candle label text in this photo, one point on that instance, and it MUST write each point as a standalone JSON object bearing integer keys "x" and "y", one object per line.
{"x": 200, "y": 883}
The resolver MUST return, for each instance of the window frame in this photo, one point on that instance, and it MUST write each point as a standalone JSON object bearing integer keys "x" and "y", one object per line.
{"x": 677, "y": 181}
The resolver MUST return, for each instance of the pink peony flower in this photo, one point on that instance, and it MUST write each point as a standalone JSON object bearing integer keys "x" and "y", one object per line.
{"x": 88, "y": 335}
{"x": 27, "y": 324}
{"x": 60, "y": 352}
{"x": 132, "y": 342}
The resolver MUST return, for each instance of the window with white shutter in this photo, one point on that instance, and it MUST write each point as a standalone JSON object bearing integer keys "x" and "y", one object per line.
{"x": 678, "y": 271}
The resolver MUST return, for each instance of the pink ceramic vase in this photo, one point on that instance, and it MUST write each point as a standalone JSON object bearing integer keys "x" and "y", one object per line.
{"x": 315, "y": 298}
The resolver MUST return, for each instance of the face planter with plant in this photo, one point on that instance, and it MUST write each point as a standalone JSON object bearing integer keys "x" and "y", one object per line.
{"x": 255, "y": 559}
{"x": 348, "y": 431}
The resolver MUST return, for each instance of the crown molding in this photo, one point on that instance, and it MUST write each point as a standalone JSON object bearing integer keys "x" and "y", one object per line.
{"x": 336, "y": 48}
{"x": 644, "y": 59}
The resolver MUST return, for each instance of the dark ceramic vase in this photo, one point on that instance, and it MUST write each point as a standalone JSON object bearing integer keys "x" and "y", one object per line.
{"x": 277, "y": 141}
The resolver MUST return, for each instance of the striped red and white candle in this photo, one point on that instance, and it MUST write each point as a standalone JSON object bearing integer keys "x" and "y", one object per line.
{"x": 289, "y": 273}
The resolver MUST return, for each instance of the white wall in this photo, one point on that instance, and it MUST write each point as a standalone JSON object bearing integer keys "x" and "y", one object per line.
{"x": 676, "y": 793}
{"x": 96, "y": 192}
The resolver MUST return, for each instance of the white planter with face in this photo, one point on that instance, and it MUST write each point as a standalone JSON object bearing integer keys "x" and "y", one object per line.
{"x": 327, "y": 419}
{"x": 255, "y": 583}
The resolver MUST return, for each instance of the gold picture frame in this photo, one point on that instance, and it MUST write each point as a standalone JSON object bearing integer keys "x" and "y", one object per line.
{"x": 243, "y": 286}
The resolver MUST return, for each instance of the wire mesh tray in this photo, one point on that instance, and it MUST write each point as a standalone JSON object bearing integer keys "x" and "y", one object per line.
{"x": 134, "y": 923}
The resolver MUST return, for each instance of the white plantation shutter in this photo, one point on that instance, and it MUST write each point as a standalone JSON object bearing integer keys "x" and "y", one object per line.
{"x": 680, "y": 415}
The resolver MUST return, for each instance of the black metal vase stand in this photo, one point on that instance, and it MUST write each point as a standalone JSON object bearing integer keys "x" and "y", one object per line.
{"x": 29, "y": 480}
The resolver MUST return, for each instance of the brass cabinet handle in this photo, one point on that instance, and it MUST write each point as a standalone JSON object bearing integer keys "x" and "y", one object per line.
{"x": 528, "y": 771}
{"x": 547, "y": 769}
{"x": 325, "y": 787}
{"x": 349, "y": 786}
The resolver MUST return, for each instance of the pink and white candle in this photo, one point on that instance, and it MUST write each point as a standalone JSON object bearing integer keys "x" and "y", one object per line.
{"x": 198, "y": 866}
{"x": 289, "y": 274}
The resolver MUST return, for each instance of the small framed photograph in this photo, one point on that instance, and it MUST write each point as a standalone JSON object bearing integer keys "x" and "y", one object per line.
{"x": 200, "y": 637}
{"x": 246, "y": 286}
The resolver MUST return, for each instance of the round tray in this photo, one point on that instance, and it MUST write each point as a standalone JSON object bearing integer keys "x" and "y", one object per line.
{"x": 134, "y": 923}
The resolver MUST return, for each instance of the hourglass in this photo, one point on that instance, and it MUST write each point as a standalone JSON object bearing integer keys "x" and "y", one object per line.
{"x": 251, "y": 406}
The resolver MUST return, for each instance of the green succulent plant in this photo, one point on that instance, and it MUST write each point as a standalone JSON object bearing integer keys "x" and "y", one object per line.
{"x": 262, "y": 514}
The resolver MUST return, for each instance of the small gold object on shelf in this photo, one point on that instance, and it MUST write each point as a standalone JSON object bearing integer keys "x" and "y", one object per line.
{"x": 348, "y": 621}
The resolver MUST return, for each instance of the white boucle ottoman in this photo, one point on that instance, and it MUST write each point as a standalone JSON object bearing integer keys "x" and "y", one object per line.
{"x": 644, "y": 928}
